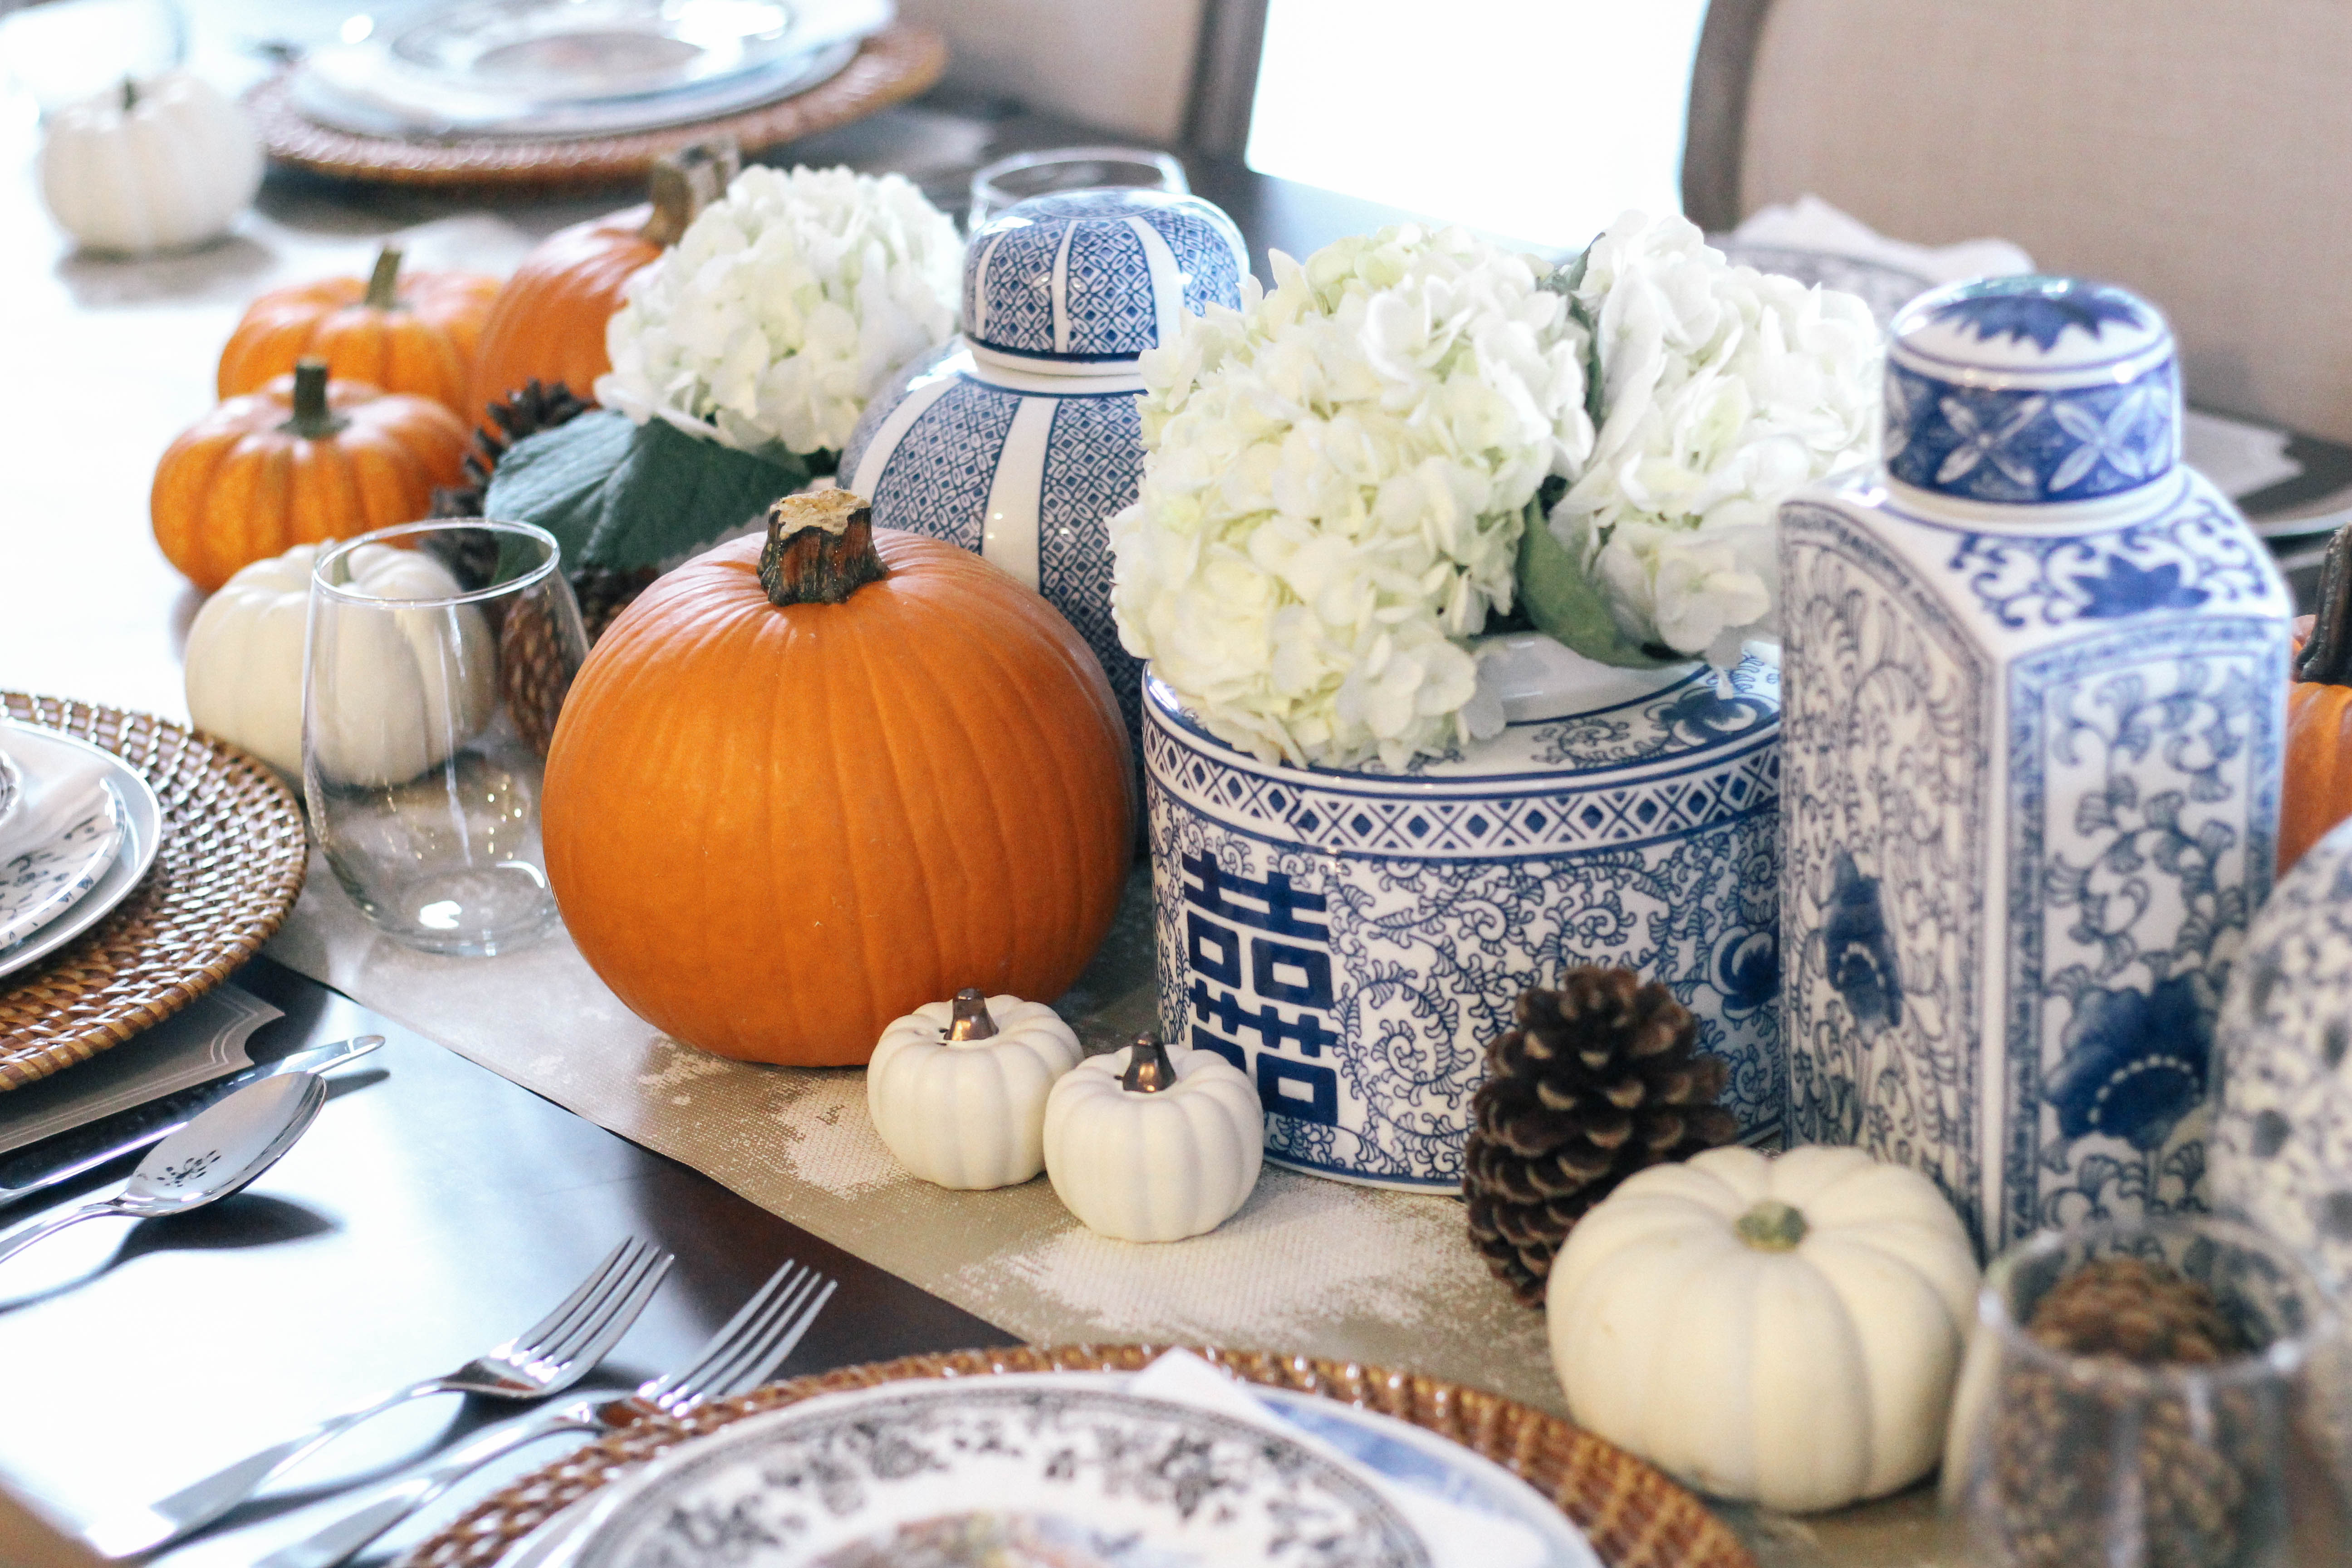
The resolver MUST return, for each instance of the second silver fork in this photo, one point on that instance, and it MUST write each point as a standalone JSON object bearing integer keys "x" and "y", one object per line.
{"x": 737, "y": 1359}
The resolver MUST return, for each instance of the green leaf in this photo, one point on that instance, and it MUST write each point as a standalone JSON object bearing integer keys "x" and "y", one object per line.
{"x": 1562, "y": 600}
{"x": 621, "y": 495}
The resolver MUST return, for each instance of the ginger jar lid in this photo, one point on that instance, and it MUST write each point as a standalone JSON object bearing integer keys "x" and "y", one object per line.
{"x": 2031, "y": 390}
{"x": 1077, "y": 281}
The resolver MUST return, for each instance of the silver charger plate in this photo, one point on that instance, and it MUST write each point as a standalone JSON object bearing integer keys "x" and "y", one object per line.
{"x": 559, "y": 68}
{"x": 141, "y": 825}
{"x": 1399, "y": 1452}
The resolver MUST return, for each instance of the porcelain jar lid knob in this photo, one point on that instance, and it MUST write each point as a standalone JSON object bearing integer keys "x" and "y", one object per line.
{"x": 1080, "y": 281}
{"x": 2031, "y": 390}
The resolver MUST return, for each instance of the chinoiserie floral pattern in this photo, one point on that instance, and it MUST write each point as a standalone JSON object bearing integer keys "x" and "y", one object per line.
{"x": 2030, "y": 445}
{"x": 1353, "y": 940}
{"x": 2282, "y": 1145}
{"x": 1100, "y": 1475}
{"x": 2192, "y": 555}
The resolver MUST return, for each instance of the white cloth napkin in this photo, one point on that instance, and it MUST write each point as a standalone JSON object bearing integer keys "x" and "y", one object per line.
{"x": 60, "y": 791}
{"x": 1457, "y": 1537}
{"x": 1810, "y": 223}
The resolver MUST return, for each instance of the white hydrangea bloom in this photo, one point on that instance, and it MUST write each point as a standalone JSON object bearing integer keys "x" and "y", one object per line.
{"x": 1333, "y": 490}
{"x": 1723, "y": 389}
{"x": 783, "y": 308}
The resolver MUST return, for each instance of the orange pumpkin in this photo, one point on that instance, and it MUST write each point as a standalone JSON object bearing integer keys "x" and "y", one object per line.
{"x": 548, "y": 323}
{"x": 2318, "y": 785}
{"x": 807, "y": 783}
{"x": 297, "y": 462}
{"x": 416, "y": 333}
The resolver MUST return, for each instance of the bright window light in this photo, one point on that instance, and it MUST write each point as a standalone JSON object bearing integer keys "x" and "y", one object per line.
{"x": 1538, "y": 120}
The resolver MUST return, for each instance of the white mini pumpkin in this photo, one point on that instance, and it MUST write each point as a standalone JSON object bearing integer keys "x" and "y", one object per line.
{"x": 245, "y": 667}
{"x": 149, "y": 165}
{"x": 957, "y": 1090}
{"x": 1154, "y": 1164}
{"x": 1779, "y": 1331}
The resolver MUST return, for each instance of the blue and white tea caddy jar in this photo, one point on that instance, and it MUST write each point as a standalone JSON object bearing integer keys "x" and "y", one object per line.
{"x": 1353, "y": 939}
{"x": 2034, "y": 685}
{"x": 1020, "y": 438}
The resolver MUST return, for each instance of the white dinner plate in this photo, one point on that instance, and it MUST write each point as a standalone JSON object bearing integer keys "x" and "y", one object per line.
{"x": 1399, "y": 1452}
{"x": 54, "y": 849}
{"x": 141, "y": 836}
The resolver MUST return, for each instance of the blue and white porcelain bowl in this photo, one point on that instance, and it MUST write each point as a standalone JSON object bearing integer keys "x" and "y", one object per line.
{"x": 1022, "y": 439}
{"x": 1354, "y": 939}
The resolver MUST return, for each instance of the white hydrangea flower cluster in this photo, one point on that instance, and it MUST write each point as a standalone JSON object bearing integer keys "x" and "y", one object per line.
{"x": 1723, "y": 389}
{"x": 1336, "y": 485}
{"x": 784, "y": 308}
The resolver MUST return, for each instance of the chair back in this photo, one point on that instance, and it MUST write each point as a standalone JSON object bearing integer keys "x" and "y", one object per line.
{"x": 2193, "y": 150}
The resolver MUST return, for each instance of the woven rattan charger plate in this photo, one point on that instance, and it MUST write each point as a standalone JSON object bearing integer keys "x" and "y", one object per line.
{"x": 1633, "y": 1516}
{"x": 232, "y": 861}
{"x": 892, "y": 65}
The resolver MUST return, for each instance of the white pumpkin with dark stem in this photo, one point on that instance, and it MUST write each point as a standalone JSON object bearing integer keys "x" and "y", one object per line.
{"x": 1777, "y": 1330}
{"x": 957, "y": 1090}
{"x": 149, "y": 165}
{"x": 1151, "y": 1145}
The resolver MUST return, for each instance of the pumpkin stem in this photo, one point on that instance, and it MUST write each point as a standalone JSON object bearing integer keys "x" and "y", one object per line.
{"x": 1148, "y": 1071}
{"x": 2326, "y": 655}
{"x": 820, "y": 548}
{"x": 687, "y": 180}
{"x": 129, "y": 95}
{"x": 312, "y": 420}
{"x": 970, "y": 1020}
{"x": 385, "y": 279}
{"x": 1771, "y": 1226}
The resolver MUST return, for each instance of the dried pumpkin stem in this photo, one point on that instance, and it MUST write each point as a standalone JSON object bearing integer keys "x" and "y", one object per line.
{"x": 2327, "y": 657}
{"x": 820, "y": 548}
{"x": 685, "y": 181}
{"x": 129, "y": 95}
{"x": 1771, "y": 1226}
{"x": 312, "y": 419}
{"x": 383, "y": 283}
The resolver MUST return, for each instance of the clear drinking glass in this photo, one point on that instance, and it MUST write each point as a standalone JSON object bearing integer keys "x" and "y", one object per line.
{"x": 426, "y": 720}
{"x": 2076, "y": 1461}
{"x": 996, "y": 186}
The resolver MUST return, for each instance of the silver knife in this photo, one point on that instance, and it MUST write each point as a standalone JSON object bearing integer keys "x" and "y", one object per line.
{"x": 69, "y": 1154}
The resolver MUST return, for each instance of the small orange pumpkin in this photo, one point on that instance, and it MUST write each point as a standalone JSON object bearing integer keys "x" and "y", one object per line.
{"x": 416, "y": 333}
{"x": 2317, "y": 794}
{"x": 297, "y": 462}
{"x": 807, "y": 783}
{"x": 547, "y": 322}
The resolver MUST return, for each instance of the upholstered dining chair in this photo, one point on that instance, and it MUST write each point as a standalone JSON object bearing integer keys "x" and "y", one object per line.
{"x": 2193, "y": 150}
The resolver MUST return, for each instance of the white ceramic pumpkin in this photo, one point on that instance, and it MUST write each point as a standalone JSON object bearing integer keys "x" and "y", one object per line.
{"x": 149, "y": 165}
{"x": 1159, "y": 1163}
{"x": 1783, "y": 1330}
{"x": 245, "y": 667}
{"x": 957, "y": 1090}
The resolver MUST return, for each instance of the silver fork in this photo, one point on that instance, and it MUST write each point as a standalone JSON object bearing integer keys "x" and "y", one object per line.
{"x": 737, "y": 1359}
{"x": 545, "y": 1359}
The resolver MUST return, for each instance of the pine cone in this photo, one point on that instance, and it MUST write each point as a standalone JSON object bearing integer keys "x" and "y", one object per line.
{"x": 534, "y": 673}
{"x": 1597, "y": 1080}
{"x": 603, "y": 593}
{"x": 2060, "y": 1442}
{"x": 520, "y": 413}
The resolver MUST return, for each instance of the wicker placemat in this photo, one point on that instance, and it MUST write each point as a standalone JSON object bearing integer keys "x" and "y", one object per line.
{"x": 232, "y": 861}
{"x": 1633, "y": 1516}
{"x": 892, "y": 65}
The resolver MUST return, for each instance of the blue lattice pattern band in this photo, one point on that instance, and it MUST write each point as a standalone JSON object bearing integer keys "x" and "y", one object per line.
{"x": 2031, "y": 446}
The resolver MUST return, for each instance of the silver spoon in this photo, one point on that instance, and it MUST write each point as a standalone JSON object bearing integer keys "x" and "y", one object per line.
{"x": 211, "y": 1157}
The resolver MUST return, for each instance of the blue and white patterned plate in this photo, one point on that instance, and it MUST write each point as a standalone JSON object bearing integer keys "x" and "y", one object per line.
{"x": 43, "y": 753}
{"x": 56, "y": 849}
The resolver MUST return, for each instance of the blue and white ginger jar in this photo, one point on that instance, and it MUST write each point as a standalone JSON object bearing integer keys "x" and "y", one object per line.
{"x": 2035, "y": 678}
{"x": 1354, "y": 939}
{"x": 1020, "y": 438}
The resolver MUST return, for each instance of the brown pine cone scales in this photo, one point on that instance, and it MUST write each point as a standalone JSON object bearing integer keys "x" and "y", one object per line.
{"x": 1596, "y": 1081}
{"x": 2070, "y": 1451}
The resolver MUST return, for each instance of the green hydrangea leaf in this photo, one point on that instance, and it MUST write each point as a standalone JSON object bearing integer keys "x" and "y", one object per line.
{"x": 1564, "y": 602}
{"x": 621, "y": 495}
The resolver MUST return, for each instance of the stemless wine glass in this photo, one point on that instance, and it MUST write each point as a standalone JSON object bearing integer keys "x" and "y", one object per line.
{"x": 425, "y": 720}
{"x": 996, "y": 186}
{"x": 2072, "y": 1461}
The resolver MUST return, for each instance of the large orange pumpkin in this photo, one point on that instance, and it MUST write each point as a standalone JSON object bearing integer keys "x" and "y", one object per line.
{"x": 297, "y": 462}
{"x": 2319, "y": 784}
{"x": 547, "y": 322}
{"x": 415, "y": 334}
{"x": 807, "y": 783}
